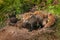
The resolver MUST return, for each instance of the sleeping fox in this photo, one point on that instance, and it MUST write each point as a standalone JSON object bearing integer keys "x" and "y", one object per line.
{"x": 51, "y": 20}
{"x": 33, "y": 20}
{"x": 43, "y": 20}
{"x": 47, "y": 20}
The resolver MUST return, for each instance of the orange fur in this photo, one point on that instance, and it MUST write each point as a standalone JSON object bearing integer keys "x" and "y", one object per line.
{"x": 26, "y": 16}
{"x": 51, "y": 20}
{"x": 40, "y": 14}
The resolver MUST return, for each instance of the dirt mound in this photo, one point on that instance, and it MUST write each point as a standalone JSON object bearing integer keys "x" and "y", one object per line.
{"x": 14, "y": 33}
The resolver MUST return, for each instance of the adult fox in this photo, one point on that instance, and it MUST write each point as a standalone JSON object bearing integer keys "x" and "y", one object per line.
{"x": 51, "y": 20}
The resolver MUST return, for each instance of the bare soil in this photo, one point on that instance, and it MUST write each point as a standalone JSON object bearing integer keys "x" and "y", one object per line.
{"x": 14, "y": 33}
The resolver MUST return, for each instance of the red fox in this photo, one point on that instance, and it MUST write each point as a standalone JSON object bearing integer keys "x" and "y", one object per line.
{"x": 51, "y": 20}
{"x": 47, "y": 19}
{"x": 43, "y": 20}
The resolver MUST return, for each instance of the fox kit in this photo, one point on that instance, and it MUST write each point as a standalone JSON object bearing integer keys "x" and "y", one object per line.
{"x": 41, "y": 17}
{"x": 31, "y": 23}
{"x": 51, "y": 20}
{"x": 32, "y": 19}
{"x": 47, "y": 20}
